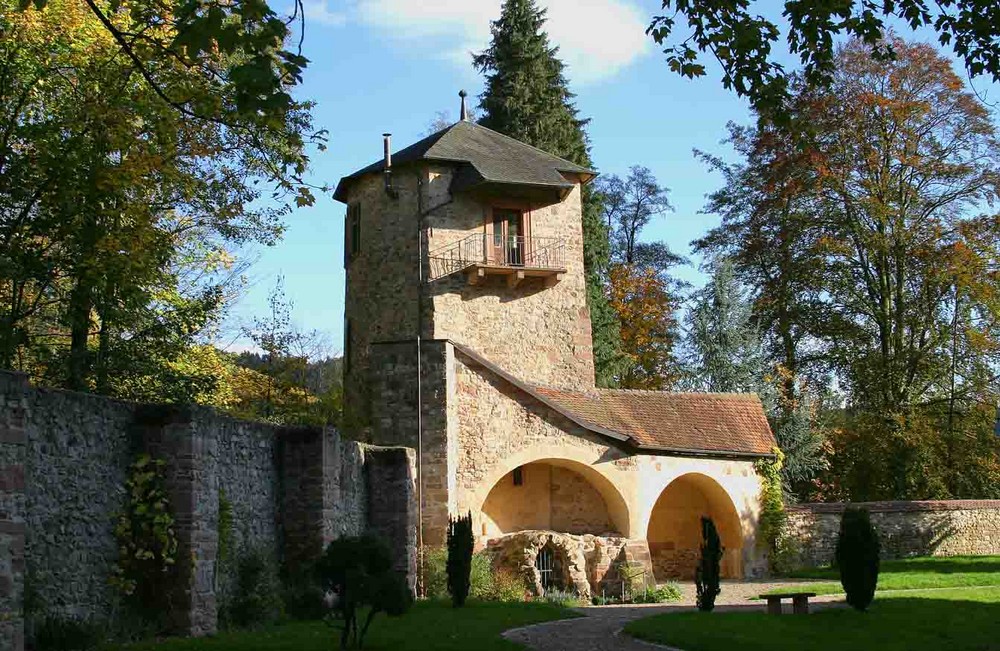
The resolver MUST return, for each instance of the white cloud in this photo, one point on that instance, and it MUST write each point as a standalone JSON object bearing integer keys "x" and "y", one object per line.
{"x": 319, "y": 11}
{"x": 596, "y": 38}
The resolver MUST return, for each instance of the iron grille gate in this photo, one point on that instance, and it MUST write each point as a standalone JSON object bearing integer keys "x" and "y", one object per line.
{"x": 543, "y": 562}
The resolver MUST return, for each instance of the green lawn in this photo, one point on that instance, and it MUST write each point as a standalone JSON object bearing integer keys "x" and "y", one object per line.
{"x": 910, "y": 574}
{"x": 966, "y": 619}
{"x": 428, "y": 625}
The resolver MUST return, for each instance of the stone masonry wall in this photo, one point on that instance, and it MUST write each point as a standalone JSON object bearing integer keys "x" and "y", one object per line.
{"x": 13, "y": 509}
{"x": 393, "y": 371}
{"x": 64, "y": 457}
{"x": 392, "y": 509}
{"x": 498, "y": 421}
{"x": 79, "y": 448}
{"x": 542, "y": 332}
{"x": 381, "y": 282}
{"x": 935, "y": 528}
{"x": 384, "y": 293}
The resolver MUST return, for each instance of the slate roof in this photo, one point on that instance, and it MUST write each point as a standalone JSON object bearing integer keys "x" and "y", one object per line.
{"x": 486, "y": 156}
{"x": 696, "y": 424}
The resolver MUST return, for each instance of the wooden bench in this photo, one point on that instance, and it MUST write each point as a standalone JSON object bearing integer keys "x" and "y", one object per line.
{"x": 800, "y": 602}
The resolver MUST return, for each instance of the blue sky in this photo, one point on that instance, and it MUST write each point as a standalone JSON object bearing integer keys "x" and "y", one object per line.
{"x": 391, "y": 65}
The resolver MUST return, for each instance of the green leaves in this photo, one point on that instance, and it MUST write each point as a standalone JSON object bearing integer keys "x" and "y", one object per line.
{"x": 147, "y": 541}
{"x": 742, "y": 42}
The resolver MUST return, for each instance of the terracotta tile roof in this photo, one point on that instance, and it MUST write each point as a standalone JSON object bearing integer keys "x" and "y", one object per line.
{"x": 722, "y": 424}
{"x": 697, "y": 422}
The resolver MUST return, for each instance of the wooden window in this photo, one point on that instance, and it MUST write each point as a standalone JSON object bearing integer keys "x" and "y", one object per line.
{"x": 508, "y": 239}
{"x": 518, "y": 476}
{"x": 352, "y": 232}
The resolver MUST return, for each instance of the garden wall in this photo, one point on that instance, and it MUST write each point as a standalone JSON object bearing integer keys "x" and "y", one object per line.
{"x": 928, "y": 528}
{"x": 64, "y": 457}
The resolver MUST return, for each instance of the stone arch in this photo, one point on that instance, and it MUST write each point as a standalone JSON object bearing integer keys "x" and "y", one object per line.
{"x": 532, "y": 465}
{"x": 674, "y": 529}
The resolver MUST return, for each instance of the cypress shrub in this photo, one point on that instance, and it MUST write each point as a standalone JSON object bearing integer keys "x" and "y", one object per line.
{"x": 460, "y": 544}
{"x": 857, "y": 557}
{"x": 706, "y": 577}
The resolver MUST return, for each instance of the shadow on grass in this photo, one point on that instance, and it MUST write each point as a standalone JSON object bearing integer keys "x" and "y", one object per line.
{"x": 921, "y": 565}
{"x": 953, "y": 565}
{"x": 969, "y": 621}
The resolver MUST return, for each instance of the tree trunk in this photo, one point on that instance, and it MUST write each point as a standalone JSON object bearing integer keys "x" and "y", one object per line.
{"x": 80, "y": 306}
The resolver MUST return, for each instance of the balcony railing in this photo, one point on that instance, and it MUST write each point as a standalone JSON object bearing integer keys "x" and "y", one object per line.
{"x": 490, "y": 254}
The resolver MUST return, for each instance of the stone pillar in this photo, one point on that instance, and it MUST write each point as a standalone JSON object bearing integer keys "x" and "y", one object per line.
{"x": 393, "y": 379}
{"x": 392, "y": 504}
{"x": 303, "y": 466}
{"x": 192, "y": 486}
{"x": 13, "y": 411}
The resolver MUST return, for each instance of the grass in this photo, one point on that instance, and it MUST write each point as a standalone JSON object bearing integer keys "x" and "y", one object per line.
{"x": 965, "y": 619}
{"x": 909, "y": 574}
{"x": 428, "y": 625}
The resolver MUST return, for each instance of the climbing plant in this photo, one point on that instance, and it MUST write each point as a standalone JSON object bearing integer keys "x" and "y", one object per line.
{"x": 771, "y": 531}
{"x": 147, "y": 540}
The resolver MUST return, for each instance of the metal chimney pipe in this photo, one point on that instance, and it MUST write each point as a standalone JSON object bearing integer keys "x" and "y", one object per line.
{"x": 387, "y": 172}
{"x": 465, "y": 111}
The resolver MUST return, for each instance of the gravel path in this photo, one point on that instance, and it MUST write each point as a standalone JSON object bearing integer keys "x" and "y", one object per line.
{"x": 601, "y": 627}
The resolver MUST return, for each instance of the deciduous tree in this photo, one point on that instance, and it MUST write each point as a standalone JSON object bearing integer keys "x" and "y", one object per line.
{"x": 743, "y": 42}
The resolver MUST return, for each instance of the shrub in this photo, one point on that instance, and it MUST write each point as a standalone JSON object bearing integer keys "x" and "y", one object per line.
{"x": 857, "y": 557}
{"x": 486, "y": 582}
{"x": 53, "y": 633}
{"x": 256, "y": 593}
{"x": 460, "y": 545}
{"x": 358, "y": 570}
{"x": 658, "y": 595}
{"x": 562, "y": 598}
{"x": 303, "y": 596}
{"x": 504, "y": 586}
{"x": 435, "y": 572}
{"x": 707, "y": 573}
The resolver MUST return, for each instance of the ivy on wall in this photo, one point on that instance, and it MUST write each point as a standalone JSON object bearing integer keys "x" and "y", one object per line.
{"x": 147, "y": 540}
{"x": 771, "y": 530}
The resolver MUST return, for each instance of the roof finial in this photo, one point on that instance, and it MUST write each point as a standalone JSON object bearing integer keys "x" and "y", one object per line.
{"x": 465, "y": 111}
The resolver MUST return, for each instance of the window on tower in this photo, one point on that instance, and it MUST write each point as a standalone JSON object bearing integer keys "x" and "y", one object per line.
{"x": 353, "y": 230}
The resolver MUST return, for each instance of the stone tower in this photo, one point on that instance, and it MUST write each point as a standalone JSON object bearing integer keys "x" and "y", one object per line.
{"x": 473, "y": 237}
{"x": 468, "y": 339}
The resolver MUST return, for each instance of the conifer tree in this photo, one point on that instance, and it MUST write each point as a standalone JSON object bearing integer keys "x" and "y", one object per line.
{"x": 723, "y": 347}
{"x": 527, "y": 97}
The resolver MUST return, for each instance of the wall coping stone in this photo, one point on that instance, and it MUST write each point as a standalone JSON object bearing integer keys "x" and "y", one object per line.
{"x": 897, "y": 506}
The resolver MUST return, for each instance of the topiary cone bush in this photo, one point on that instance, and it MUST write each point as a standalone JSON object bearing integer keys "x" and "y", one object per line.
{"x": 460, "y": 544}
{"x": 706, "y": 576}
{"x": 857, "y": 557}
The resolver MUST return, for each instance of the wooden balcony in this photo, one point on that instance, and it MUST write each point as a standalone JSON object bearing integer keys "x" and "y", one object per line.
{"x": 513, "y": 258}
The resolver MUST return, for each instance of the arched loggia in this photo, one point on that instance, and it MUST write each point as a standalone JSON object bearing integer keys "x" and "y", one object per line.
{"x": 553, "y": 494}
{"x": 674, "y": 532}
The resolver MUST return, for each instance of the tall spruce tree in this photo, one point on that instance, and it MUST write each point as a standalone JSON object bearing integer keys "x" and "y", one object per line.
{"x": 723, "y": 346}
{"x": 527, "y": 97}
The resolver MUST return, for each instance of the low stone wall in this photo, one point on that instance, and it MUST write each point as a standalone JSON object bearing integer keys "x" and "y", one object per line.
{"x": 64, "y": 457}
{"x": 583, "y": 564}
{"x": 928, "y": 528}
